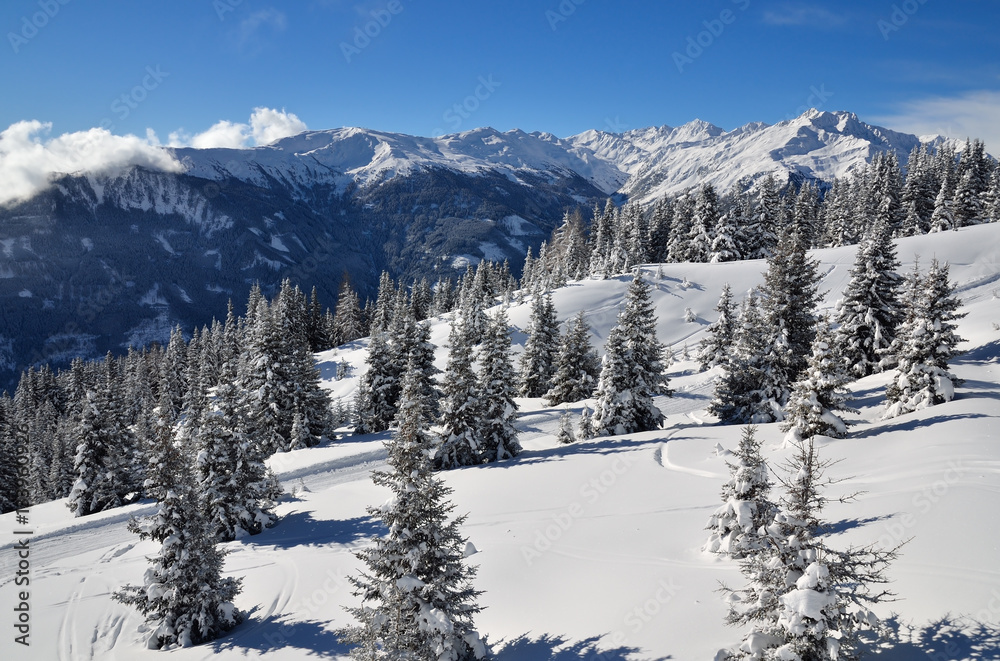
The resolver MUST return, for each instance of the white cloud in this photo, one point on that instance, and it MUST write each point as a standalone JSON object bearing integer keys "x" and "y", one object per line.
{"x": 970, "y": 115}
{"x": 29, "y": 160}
{"x": 266, "y": 126}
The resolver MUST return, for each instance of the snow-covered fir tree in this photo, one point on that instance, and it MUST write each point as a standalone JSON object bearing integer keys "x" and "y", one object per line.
{"x": 753, "y": 387}
{"x": 496, "y": 379}
{"x": 417, "y": 596}
{"x": 566, "y": 435}
{"x": 95, "y": 488}
{"x": 789, "y": 297}
{"x": 577, "y": 367}
{"x": 460, "y": 442}
{"x": 538, "y": 362}
{"x": 235, "y": 484}
{"x": 738, "y": 525}
{"x": 585, "y": 428}
{"x": 820, "y": 392}
{"x": 870, "y": 310}
{"x": 381, "y": 387}
{"x": 718, "y": 343}
{"x": 703, "y": 222}
{"x": 928, "y": 342}
{"x": 184, "y": 597}
{"x": 631, "y": 371}
{"x": 803, "y": 599}
{"x": 725, "y": 241}
{"x": 348, "y": 322}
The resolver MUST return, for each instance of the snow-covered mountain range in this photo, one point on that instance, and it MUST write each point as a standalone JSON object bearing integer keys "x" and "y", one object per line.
{"x": 641, "y": 164}
{"x": 100, "y": 261}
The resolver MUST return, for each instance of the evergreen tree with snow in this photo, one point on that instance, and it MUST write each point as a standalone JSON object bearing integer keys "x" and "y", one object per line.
{"x": 348, "y": 321}
{"x": 381, "y": 386}
{"x": 738, "y": 527}
{"x": 8, "y": 456}
{"x": 538, "y": 362}
{"x": 928, "y": 343}
{"x": 496, "y": 379}
{"x": 95, "y": 488}
{"x": 577, "y": 367}
{"x": 660, "y": 230}
{"x": 585, "y": 428}
{"x": 724, "y": 242}
{"x": 631, "y": 371}
{"x": 235, "y": 484}
{"x": 992, "y": 199}
{"x": 753, "y": 387}
{"x": 703, "y": 223}
{"x": 819, "y": 393}
{"x": 803, "y": 599}
{"x": 718, "y": 343}
{"x": 789, "y": 297}
{"x": 184, "y": 597}
{"x": 566, "y": 435}
{"x": 417, "y": 596}
{"x": 870, "y": 311}
{"x": 460, "y": 442}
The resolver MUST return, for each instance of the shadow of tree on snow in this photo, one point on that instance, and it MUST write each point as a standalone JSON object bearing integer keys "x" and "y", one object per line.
{"x": 557, "y": 648}
{"x": 270, "y": 634}
{"x": 945, "y": 638}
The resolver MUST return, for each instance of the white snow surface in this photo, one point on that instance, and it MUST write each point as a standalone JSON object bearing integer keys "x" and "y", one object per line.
{"x": 594, "y": 547}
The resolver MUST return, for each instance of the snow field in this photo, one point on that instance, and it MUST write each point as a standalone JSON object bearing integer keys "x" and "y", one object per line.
{"x": 592, "y": 548}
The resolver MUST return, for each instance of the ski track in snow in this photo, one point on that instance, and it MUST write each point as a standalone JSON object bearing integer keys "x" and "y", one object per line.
{"x": 662, "y": 457}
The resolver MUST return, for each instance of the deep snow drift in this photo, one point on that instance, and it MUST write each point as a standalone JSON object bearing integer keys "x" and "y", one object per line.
{"x": 593, "y": 547}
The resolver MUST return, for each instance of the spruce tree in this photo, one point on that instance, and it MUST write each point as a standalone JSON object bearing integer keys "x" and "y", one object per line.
{"x": 738, "y": 527}
{"x": 870, "y": 310}
{"x": 703, "y": 223}
{"x": 381, "y": 386}
{"x": 538, "y": 362}
{"x": 631, "y": 372}
{"x": 789, "y": 297}
{"x": 577, "y": 367}
{"x": 928, "y": 343}
{"x": 753, "y": 387}
{"x": 417, "y": 596}
{"x": 460, "y": 442}
{"x": 94, "y": 489}
{"x": 566, "y": 435}
{"x": 184, "y": 597}
{"x": 496, "y": 379}
{"x": 804, "y": 599}
{"x": 819, "y": 393}
{"x": 235, "y": 484}
{"x": 718, "y": 344}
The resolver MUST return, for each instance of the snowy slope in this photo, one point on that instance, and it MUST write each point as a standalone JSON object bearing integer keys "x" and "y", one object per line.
{"x": 642, "y": 163}
{"x": 593, "y": 548}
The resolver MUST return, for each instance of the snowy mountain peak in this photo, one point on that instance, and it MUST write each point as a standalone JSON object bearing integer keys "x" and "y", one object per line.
{"x": 642, "y": 163}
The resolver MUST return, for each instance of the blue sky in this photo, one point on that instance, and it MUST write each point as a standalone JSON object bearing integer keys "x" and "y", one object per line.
{"x": 563, "y": 66}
